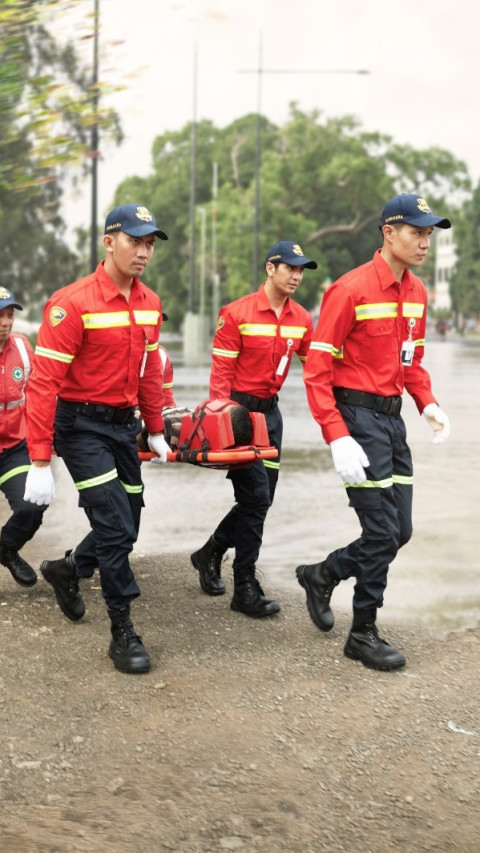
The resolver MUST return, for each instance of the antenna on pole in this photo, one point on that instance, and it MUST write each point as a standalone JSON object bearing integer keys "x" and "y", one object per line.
{"x": 260, "y": 71}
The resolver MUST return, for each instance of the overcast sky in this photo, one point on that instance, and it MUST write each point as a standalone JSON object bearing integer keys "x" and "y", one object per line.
{"x": 422, "y": 58}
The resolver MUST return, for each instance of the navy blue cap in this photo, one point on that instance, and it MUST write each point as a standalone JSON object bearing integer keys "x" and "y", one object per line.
{"x": 133, "y": 219}
{"x": 7, "y": 299}
{"x": 413, "y": 210}
{"x": 286, "y": 252}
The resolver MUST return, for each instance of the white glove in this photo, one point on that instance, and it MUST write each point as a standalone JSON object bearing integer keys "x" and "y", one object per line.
{"x": 159, "y": 446}
{"x": 39, "y": 485}
{"x": 349, "y": 460}
{"x": 439, "y": 422}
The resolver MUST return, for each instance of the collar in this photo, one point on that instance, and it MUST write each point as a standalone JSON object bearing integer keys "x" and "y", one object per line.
{"x": 107, "y": 285}
{"x": 263, "y": 302}
{"x": 385, "y": 274}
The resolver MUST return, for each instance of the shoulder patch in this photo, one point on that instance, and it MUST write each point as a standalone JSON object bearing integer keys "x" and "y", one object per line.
{"x": 56, "y": 315}
{"x": 220, "y": 323}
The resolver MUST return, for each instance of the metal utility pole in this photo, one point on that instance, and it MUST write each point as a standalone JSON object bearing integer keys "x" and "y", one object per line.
{"x": 260, "y": 71}
{"x": 215, "y": 276}
{"x": 193, "y": 181}
{"x": 94, "y": 144}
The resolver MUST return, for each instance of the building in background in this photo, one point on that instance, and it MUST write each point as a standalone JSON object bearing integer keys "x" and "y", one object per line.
{"x": 445, "y": 260}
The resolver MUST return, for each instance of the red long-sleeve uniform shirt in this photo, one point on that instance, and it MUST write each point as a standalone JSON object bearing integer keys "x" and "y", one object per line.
{"x": 12, "y": 386}
{"x": 250, "y": 342}
{"x": 94, "y": 346}
{"x": 167, "y": 375}
{"x": 365, "y": 317}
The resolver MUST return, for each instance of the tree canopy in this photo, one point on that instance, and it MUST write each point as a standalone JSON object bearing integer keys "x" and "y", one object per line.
{"x": 47, "y": 108}
{"x": 323, "y": 183}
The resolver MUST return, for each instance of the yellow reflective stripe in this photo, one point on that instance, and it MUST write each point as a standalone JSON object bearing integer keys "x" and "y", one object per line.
{"x": 151, "y": 347}
{"x": 105, "y": 320}
{"x": 132, "y": 490}
{"x": 292, "y": 331}
{"x": 167, "y": 385}
{"x": 66, "y": 357}
{"x": 225, "y": 353}
{"x": 146, "y": 318}
{"x": 402, "y": 480}
{"x": 119, "y": 319}
{"x": 376, "y": 311}
{"x": 420, "y": 342}
{"x": 269, "y": 463}
{"x": 413, "y": 309}
{"x": 97, "y": 481}
{"x": 322, "y": 346}
{"x": 269, "y": 330}
{"x": 20, "y": 469}
{"x": 387, "y": 483}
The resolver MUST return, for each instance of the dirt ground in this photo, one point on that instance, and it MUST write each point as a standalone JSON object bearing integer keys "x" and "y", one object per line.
{"x": 246, "y": 735}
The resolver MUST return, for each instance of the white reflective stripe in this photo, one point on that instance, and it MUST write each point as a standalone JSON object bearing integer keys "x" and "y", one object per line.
{"x": 163, "y": 356}
{"x": 12, "y": 404}
{"x": 24, "y": 355}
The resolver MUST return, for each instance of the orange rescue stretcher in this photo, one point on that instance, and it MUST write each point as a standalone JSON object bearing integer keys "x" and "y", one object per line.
{"x": 206, "y": 438}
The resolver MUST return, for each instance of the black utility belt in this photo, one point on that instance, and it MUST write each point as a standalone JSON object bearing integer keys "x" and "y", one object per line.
{"x": 98, "y": 411}
{"x": 254, "y": 404}
{"x": 383, "y": 405}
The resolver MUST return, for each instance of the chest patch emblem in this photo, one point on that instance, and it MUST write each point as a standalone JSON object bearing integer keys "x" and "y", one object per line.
{"x": 17, "y": 374}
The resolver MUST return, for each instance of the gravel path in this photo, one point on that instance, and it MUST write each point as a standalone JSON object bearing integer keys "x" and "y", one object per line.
{"x": 246, "y": 735}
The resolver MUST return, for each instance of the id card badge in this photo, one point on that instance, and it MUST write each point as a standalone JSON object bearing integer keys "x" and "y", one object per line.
{"x": 284, "y": 359}
{"x": 407, "y": 352}
{"x": 408, "y": 346}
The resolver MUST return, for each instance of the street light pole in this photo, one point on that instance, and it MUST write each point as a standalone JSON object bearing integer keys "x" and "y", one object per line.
{"x": 260, "y": 71}
{"x": 193, "y": 181}
{"x": 94, "y": 144}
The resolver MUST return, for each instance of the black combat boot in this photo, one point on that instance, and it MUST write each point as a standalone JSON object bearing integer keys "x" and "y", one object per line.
{"x": 249, "y": 597}
{"x": 126, "y": 648}
{"x": 364, "y": 643}
{"x": 319, "y": 584}
{"x": 20, "y": 570}
{"x": 208, "y": 562}
{"x": 61, "y": 574}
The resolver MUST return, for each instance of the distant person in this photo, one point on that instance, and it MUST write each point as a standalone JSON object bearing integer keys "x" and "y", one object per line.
{"x": 367, "y": 347}
{"x": 254, "y": 343}
{"x": 97, "y": 353}
{"x": 441, "y": 328}
{"x": 16, "y": 357}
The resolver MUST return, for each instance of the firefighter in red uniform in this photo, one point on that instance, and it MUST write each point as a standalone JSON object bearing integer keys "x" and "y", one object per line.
{"x": 16, "y": 357}
{"x": 255, "y": 340}
{"x": 367, "y": 347}
{"x": 97, "y": 353}
{"x": 167, "y": 377}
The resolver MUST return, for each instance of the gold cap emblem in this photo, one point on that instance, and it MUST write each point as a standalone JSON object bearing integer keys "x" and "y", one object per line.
{"x": 422, "y": 205}
{"x": 144, "y": 214}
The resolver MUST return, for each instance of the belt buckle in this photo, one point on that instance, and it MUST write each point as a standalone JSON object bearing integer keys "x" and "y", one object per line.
{"x": 393, "y": 406}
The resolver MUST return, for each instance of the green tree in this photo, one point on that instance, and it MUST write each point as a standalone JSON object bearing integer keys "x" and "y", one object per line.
{"x": 47, "y": 108}
{"x": 465, "y": 284}
{"x": 323, "y": 183}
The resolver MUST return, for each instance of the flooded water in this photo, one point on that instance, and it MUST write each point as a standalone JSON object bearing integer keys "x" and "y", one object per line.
{"x": 434, "y": 580}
